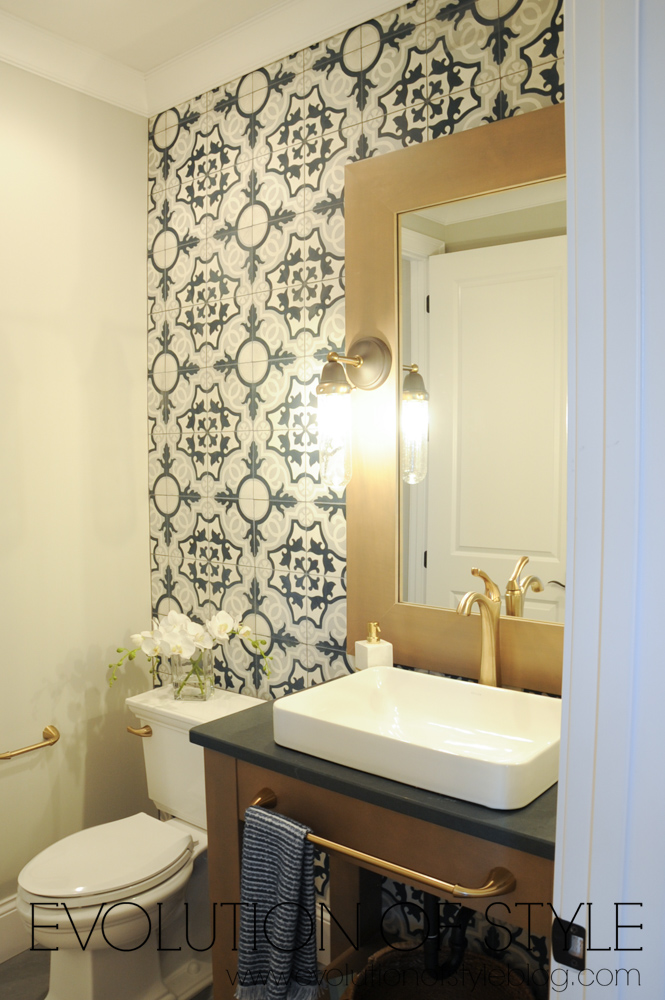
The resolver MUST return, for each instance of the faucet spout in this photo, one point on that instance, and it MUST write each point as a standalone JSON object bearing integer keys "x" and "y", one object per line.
{"x": 490, "y": 672}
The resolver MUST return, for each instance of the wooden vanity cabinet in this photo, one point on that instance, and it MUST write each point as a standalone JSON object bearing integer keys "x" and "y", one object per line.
{"x": 387, "y": 833}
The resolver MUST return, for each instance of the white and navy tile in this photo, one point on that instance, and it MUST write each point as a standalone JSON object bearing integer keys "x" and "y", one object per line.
{"x": 545, "y": 86}
{"x": 287, "y": 668}
{"x": 465, "y": 109}
{"x": 280, "y": 614}
{"x": 394, "y": 68}
{"x": 236, "y": 668}
{"x": 328, "y": 660}
{"x": 253, "y": 106}
{"x": 533, "y": 32}
{"x": 208, "y": 299}
{"x": 173, "y": 590}
{"x": 172, "y": 242}
{"x": 335, "y": 88}
{"x": 172, "y": 136}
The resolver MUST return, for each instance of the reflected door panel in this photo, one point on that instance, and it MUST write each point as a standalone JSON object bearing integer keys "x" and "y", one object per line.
{"x": 497, "y": 383}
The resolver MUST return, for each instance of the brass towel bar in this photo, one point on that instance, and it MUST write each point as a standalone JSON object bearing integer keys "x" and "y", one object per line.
{"x": 499, "y": 881}
{"x": 50, "y": 736}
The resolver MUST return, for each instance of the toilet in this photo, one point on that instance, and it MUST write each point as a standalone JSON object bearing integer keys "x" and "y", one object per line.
{"x": 123, "y": 907}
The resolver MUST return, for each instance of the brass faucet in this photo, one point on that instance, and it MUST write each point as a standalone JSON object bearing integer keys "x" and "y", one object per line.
{"x": 489, "y": 605}
{"x": 516, "y": 589}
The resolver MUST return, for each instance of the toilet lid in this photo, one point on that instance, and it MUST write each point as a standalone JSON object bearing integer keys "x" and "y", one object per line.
{"x": 123, "y": 857}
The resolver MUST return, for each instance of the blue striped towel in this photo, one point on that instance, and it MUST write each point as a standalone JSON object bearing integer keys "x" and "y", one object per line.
{"x": 277, "y": 946}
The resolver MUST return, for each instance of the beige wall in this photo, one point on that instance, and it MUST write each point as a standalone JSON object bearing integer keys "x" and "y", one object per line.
{"x": 73, "y": 510}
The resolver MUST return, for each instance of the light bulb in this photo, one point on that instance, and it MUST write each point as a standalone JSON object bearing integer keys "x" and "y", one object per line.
{"x": 334, "y": 420}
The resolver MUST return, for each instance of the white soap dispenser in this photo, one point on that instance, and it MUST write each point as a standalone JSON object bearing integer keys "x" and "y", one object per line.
{"x": 372, "y": 651}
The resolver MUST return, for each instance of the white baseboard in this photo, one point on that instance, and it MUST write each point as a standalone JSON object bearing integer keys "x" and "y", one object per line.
{"x": 14, "y": 937}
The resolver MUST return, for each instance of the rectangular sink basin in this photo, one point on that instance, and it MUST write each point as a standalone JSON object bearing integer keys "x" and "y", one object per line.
{"x": 491, "y": 746}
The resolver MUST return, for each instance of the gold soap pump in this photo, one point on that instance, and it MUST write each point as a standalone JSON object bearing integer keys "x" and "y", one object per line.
{"x": 373, "y": 651}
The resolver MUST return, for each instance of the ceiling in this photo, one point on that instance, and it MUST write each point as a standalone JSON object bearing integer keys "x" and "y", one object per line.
{"x": 148, "y": 55}
{"x": 140, "y": 34}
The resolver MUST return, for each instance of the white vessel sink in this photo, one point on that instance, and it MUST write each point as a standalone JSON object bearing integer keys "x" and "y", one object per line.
{"x": 491, "y": 746}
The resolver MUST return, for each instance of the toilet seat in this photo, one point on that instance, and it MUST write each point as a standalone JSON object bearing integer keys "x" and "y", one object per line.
{"x": 49, "y": 923}
{"x": 107, "y": 863}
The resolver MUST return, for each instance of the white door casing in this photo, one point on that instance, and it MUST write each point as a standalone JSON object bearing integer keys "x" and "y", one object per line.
{"x": 611, "y": 810}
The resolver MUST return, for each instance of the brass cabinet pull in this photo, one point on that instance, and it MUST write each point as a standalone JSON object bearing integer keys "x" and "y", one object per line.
{"x": 499, "y": 881}
{"x": 143, "y": 731}
{"x": 50, "y": 736}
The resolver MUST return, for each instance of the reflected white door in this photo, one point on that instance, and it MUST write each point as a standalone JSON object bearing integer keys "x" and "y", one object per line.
{"x": 497, "y": 474}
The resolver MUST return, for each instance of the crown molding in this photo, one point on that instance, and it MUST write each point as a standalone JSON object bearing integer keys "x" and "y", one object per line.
{"x": 418, "y": 246}
{"x": 288, "y": 27}
{"x": 76, "y": 66}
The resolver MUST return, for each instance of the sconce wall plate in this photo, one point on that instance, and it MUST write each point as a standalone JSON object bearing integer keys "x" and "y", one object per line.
{"x": 376, "y": 363}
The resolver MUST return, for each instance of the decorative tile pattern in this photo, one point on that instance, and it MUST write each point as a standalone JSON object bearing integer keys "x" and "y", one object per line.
{"x": 246, "y": 297}
{"x": 246, "y": 286}
{"x": 404, "y": 919}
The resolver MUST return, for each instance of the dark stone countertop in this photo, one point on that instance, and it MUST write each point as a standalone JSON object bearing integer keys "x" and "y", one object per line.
{"x": 248, "y": 736}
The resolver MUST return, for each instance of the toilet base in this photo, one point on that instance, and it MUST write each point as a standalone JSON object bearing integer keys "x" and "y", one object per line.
{"x": 107, "y": 975}
{"x": 165, "y": 967}
{"x": 190, "y": 979}
{"x": 144, "y": 974}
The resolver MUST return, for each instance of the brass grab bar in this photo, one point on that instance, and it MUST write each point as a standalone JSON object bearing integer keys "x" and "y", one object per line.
{"x": 499, "y": 881}
{"x": 50, "y": 736}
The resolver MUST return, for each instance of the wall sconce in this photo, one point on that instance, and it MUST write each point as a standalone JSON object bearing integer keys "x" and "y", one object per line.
{"x": 368, "y": 368}
{"x": 414, "y": 426}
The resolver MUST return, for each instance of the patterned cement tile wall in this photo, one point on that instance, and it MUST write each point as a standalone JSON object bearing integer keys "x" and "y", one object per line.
{"x": 246, "y": 286}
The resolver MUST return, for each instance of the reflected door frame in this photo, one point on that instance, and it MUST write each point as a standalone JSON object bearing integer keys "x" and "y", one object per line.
{"x": 416, "y": 249}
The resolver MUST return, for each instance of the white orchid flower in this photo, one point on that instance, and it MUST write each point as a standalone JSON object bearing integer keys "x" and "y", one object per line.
{"x": 151, "y": 643}
{"x": 244, "y": 631}
{"x": 221, "y": 626}
{"x": 175, "y": 621}
{"x": 178, "y": 642}
{"x": 200, "y": 636}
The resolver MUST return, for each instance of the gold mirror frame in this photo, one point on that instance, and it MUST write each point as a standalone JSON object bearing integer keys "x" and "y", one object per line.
{"x": 521, "y": 150}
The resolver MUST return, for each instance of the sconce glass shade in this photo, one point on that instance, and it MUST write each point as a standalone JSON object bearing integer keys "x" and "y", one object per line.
{"x": 369, "y": 368}
{"x": 414, "y": 428}
{"x": 335, "y": 425}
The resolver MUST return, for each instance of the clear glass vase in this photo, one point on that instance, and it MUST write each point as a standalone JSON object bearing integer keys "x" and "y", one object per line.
{"x": 193, "y": 677}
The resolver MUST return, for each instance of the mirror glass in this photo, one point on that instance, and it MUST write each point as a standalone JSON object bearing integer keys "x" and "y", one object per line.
{"x": 483, "y": 315}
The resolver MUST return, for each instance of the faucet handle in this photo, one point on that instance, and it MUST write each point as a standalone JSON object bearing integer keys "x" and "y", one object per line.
{"x": 514, "y": 582}
{"x": 491, "y": 590}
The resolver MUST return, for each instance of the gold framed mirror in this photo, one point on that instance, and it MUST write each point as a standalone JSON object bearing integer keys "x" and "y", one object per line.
{"x": 523, "y": 150}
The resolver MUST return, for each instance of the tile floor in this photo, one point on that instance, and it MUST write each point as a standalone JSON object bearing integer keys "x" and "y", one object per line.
{"x": 25, "y": 977}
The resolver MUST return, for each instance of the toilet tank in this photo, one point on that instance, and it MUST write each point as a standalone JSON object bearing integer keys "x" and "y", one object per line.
{"x": 173, "y": 765}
